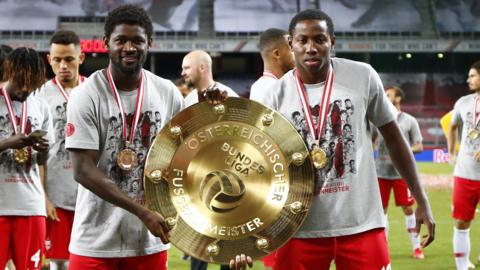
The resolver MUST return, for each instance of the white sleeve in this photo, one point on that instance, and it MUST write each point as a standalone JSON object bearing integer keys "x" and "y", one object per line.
{"x": 82, "y": 130}
{"x": 456, "y": 115}
{"x": 380, "y": 110}
{"x": 266, "y": 96}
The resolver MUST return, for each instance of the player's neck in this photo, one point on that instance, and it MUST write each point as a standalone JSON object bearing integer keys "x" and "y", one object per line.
{"x": 11, "y": 92}
{"x": 126, "y": 81}
{"x": 398, "y": 107}
{"x": 204, "y": 84}
{"x": 273, "y": 69}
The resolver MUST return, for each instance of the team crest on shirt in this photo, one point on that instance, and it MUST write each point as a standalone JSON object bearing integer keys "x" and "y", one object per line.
{"x": 337, "y": 141}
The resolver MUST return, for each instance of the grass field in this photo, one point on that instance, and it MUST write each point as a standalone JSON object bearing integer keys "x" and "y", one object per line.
{"x": 438, "y": 256}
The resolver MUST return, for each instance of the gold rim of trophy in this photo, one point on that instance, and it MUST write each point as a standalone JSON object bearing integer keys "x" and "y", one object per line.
{"x": 229, "y": 179}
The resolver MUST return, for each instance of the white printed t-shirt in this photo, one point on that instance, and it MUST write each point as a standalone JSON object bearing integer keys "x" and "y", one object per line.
{"x": 261, "y": 85}
{"x": 61, "y": 187}
{"x": 466, "y": 166}
{"x": 21, "y": 192}
{"x": 347, "y": 198}
{"x": 101, "y": 229}
{"x": 411, "y": 131}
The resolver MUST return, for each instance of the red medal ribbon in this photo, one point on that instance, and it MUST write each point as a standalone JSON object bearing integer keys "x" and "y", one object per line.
{"x": 138, "y": 106}
{"x": 327, "y": 92}
{"x": 269, "y": 74}
{"x": 62, "y": 90}
{"x": 475, "y": 117}
{"x": 11, "y": 113}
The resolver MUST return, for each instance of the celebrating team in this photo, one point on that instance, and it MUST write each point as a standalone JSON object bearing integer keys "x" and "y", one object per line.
{"x": 100, "y": 129}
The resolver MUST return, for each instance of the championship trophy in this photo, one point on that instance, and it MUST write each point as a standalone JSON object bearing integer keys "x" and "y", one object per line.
{"x": 229, "y": 179}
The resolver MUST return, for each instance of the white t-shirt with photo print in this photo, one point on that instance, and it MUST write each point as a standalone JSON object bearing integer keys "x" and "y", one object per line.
{"x": 21, "y": 192}
{"x": 347, "y": 197}
{"x": 101, "y": 229}
{"x": 466, "y": 166}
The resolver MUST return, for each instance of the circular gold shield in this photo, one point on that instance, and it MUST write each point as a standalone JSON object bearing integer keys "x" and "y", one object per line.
{"x": 229, "y": 179}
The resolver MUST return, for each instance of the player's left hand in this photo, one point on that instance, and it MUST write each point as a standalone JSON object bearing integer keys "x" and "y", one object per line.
{"x": 241, "y": 262}
{"x": 51, "y": 210}
{"x": 213, "y": 95}
{"x": 476, "y": 156}
{"x": 423, "y": 215}
{"x": 41, "y": 145}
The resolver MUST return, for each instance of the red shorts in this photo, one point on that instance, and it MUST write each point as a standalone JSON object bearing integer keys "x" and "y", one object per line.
{"x": 157, "y": 261}
{"x": 466, "y": 194}
{"x": 367, "y": 250}
{"x": 58, "y": 235}
{"x": 22, "y": 239}
{"x": 269, "y": 261}
{"x": 403, "y": 196}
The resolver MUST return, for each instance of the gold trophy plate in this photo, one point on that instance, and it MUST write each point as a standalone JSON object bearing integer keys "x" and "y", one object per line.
{"x": 229, "y": 179}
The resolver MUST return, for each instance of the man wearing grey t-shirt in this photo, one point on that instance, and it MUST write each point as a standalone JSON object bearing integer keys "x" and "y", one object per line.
{"x": 467, "y": 170}
{"x": 64, "y": 57}
{"x": 388, "y": 176}
{"x": 345, "y": 222}
{"x": 111, "y": 122}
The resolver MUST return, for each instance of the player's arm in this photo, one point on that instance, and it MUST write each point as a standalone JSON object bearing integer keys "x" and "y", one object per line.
{"x": 15, "y": 142}
{"x": 91, "y": 177}
{"x": 452, "y": 141}
{"x": 51, "y": 210}
{"x": 402, "y": 158}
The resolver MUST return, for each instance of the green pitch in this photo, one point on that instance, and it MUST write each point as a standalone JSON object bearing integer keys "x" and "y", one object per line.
{"x": 438, "y": 256}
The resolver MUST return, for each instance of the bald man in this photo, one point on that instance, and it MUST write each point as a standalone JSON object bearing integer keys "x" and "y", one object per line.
{"x": 197, "y": 73}
{"x": 277, "y": 59}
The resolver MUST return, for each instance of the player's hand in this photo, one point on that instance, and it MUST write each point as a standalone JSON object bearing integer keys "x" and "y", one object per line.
{"x": 423, "y": 215}
{"x": 18, "y": 141}
{"x": 476, "y": 156}
{"x": 156, "y": 225}
{"x": 453, "y": 159}
{"x": 240, "y": 262}
{"x": 213, "y": 95}
{"x": 40, "y": 145}
{"x": 51, "y": 210}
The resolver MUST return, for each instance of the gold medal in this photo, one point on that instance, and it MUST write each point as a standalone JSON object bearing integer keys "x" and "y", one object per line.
{"x": 319, "y": 157}
{"x": 20, "y": 155}
{"x": 127, "y": 159}
{"x": 473, "y": 134}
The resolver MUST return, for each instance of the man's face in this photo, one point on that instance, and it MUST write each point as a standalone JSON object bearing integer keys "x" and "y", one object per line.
{"x": 473, "y": 80}
{"x": 18, "y": 91}
{"x": 65, "y": 61}
{"x": 311, "y": 45}
{"x": 128, "y": 47}
{"x": 392, "y": 96}
{"x": 190, "y": 71}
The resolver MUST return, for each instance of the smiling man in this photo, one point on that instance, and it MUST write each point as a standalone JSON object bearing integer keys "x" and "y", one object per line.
{"x": 113, "y": 229}
{"x": 65, "y": 58}
{"x": 345, "y": 223}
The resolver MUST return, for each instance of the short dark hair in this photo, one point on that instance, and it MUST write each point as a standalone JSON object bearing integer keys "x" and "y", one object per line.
{"x": 476, "y": 66}
{"x": 271, "y": 36}
{"x": 65, "y": 37}
{"x": 24, "y": 66}
{"x": 398, "y": 91}
{"x": 4, "y": 51}
{"x": 311, "y": 14}
{"x": 131, "y": 15}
